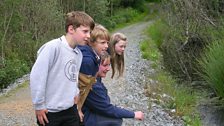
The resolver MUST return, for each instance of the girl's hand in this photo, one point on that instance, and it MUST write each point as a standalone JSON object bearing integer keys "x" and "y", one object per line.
{"x": 139, "y": 115}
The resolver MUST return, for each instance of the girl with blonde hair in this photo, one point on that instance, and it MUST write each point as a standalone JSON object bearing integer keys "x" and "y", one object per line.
{"x": 117, "y": 46}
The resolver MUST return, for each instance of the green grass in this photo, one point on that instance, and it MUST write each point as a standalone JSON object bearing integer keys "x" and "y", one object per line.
{"x": 183, "y": 99}
{"x": 157, "y": 32}
{"x": 149, "y": 51}
{"x": 213, "y": 68}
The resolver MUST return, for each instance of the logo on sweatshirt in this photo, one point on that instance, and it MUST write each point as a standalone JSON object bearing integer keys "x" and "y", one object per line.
{"x": 71, "y": 70}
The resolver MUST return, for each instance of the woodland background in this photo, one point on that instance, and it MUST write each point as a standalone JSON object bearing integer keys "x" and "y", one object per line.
{"x": 26, "y": 24}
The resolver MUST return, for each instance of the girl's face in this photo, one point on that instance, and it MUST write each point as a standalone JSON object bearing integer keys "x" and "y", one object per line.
{"x": 120, "y": 47}
{"x": 104, "y": 68}
{"x": 100, "y": 45}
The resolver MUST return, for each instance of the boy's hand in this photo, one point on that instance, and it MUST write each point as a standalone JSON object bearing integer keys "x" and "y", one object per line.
{"x": 139, "y": 115}
{"x": 76, "y": 99}
{"x": 41, "y": 116}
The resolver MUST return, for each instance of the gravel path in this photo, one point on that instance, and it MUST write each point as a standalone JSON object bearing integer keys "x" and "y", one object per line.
{"x": 127, "y": 91}
{"x": 16, "y": 107}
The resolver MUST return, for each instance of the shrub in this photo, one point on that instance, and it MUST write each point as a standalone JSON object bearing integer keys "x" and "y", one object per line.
{"x": 213, "y": 68}
{"x": 12, "y": 70}
{"x": 181, "y": 60}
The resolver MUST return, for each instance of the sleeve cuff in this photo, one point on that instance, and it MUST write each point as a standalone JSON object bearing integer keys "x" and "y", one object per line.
{"x": 39, "y": 106}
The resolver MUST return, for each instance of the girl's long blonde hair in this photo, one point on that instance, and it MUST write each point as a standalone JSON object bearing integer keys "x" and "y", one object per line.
{"x": 117, "y": 61}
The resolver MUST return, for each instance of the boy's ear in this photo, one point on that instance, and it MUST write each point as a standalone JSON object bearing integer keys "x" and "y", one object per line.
{"x": 70, "y": 28}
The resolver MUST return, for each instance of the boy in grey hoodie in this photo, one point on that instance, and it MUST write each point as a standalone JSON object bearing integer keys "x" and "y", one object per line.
{"x": 54, "y": 76}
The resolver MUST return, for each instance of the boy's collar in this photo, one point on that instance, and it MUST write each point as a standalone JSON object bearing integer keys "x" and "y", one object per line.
{"x": 97, "y": 56}
{"x": 65, "y": 42}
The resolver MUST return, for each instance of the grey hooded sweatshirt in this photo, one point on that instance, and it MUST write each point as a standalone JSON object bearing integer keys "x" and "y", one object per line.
{"x": 54, "y": 76}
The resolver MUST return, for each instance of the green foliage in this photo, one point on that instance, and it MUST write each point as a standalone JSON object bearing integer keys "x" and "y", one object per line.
{"x": 26, "y": 25}
{"x": 149, "y": 51}
{"x": 144, "y": 46}
{"x": 122, "y": 16}
{"x": 213, "y": 68}
{"x": 70, "y": 5}
{"x": 181, "y": 60}
{"x": 184, "y": 96}
{"x": 214, "y": 7}
{"x": 137, "y": 4}
{"x": 192, "y": 120}
{"x": 154, "y": 1}
{"x": 158, "y": 31}
{"x": 12, "y": 70}
{"x": 188, "y": 33}
{"x": 109, "y": 13}
{"x": 183, "y": 99}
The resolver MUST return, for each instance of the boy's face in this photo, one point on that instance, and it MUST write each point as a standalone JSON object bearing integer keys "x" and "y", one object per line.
{"x": 120, "y": 47}
{"x": 104, "y": 68}
{"x": 100, "y": 45}
{"x": 82, "y": 35}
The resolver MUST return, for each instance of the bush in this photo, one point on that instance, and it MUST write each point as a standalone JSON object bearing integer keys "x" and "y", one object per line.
{"x": 188, "y": 34}
{"x": 12, "y": 70}
{"x": 213, "y": 68}
{"x": 22, "y": 30}
{"x": 181, "y": 60}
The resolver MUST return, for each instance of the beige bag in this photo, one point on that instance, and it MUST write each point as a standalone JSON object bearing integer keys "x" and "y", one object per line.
{"x": 85, "y": 85}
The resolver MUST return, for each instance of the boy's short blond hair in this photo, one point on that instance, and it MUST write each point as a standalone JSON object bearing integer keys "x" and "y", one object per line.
{"x": 99, "y": 32}
{"x": 77, "y": 18}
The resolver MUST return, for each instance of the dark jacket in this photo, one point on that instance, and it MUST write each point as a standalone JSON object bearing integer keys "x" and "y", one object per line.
{"x": 90, "y": 61}
{"x": 98, "y": 103}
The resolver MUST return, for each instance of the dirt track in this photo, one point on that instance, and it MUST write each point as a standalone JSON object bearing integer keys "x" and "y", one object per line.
{"x": 16, "y": 108}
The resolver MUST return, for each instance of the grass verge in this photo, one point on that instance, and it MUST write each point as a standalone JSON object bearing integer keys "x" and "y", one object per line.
{"x": 179, "y": 100}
